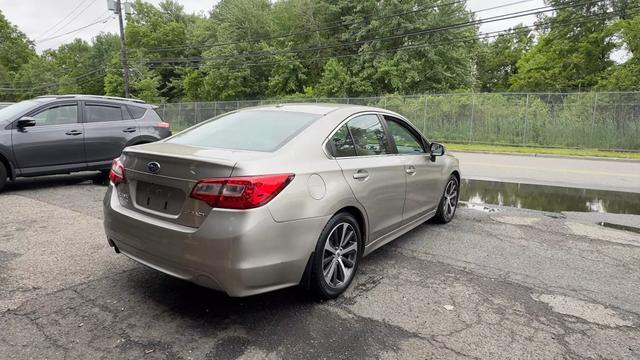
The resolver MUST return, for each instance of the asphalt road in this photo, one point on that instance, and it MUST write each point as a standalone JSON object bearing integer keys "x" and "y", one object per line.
{"x": 585, "y": 173}
{"x": 499, "y": 284}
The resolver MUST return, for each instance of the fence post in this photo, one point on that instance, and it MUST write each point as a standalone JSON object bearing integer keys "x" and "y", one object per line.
{"x": 180, "y": 113}
{"x": 195, "y": 111}
{"x": 424, "y": 118}
{"x": 526, "y": 119}
{"x": 238, "y": 105}
{"x": 473, "y": 108}
{"x": 593, "y": 116}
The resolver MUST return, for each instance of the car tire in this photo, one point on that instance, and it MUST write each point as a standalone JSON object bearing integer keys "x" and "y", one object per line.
{"x": 102, "y": 178}
{"x": 3, "y": 176}
{"x": 449, "y": 201}
{"x": 337, "y": 255}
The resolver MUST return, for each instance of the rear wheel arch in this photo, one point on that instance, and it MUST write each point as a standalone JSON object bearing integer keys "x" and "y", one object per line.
{"x": 360, "y": 218}
{"x": 141, "y": 140}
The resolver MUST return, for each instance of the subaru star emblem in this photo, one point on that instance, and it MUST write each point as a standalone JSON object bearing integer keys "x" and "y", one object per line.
{"x": 153, "y": 167}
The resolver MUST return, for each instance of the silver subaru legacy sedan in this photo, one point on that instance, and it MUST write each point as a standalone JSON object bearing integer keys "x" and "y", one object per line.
{"x": 275, "y": 196}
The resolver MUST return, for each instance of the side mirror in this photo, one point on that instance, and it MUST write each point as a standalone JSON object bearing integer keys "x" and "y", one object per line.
{"x": 436, "y": 149}
{"x": 26, "y": 121}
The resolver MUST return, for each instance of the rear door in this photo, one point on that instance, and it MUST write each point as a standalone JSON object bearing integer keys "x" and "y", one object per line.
{"x": 374, "y": 173}
{"x": 423, "y": 176}
{"x": 55, "y": 143}
{"x": 108, "y": 128}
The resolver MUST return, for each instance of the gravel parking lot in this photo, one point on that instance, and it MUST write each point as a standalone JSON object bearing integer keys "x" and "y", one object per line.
{"x": 491, "y": 284}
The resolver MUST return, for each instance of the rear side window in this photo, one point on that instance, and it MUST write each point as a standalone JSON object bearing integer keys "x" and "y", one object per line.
{"x": 258, "y": 130}
{"x": 136, "y": 111}
{"x": 342, "y": 144}
{"x": 368, "y": 135}
{"x": 103, "y": 113}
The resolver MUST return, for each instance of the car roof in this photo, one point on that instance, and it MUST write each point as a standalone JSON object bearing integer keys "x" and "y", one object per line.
{"x": 316, "y": 108}
{"x": 121, "y": 100}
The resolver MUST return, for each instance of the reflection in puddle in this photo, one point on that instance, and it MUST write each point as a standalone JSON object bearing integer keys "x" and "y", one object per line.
{"x": 549, "y": 198}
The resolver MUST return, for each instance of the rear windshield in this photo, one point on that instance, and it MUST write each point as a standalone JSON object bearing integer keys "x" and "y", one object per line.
{"x": 257, "y": 130}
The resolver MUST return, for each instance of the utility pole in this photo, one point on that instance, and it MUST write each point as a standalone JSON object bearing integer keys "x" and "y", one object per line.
{"x": 123, "y": 49}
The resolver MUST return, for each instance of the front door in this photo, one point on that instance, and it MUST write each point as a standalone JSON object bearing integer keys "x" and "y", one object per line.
{"x": 423, "y": 175}
{"x": 375, "y": 176}
{"x": 55, "y": 143}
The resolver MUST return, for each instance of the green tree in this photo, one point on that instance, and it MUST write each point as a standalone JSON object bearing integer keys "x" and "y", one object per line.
{"x": 573, "y": 51}
{"x": 288, "y": 76}
{"x": 15, "y": 51}
{"x": 497, "y": 59}
{"x": 625, "y": 76}
{"x": 435, "y": 61}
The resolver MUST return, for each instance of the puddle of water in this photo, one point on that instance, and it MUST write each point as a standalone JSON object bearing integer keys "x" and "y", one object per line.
{"x": 549, "y": 198}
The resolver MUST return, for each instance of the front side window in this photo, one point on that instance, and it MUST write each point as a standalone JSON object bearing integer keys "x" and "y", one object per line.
{"x": 368, "y": 135}
{"x": 102, "y": 113}
{"x": 255, "y": 130}
{"x": 406, "y": 141}
{"x": 57, "y": 115}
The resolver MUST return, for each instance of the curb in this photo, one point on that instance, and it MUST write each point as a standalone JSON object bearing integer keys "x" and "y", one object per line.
{"x": 554, "y": 156}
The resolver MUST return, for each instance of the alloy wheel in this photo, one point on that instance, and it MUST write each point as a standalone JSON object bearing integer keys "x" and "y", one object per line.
{"x": 340, "y": 255}
{"x": 450, "y": 198}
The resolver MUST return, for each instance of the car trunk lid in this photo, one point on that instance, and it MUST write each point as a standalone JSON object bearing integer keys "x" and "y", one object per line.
{"x": 160, "y": 177}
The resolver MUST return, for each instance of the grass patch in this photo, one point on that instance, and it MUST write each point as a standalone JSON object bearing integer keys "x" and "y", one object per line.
{"x": 542, "y": 150}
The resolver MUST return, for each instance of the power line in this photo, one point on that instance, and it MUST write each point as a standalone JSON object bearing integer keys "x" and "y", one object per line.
{"x": 42, "y": 86}
{"x": 483, "y": 36}
{"x": 282, "y": 36}
{"x": 63, "y": 19}
{"x": 74, "y": 30}
{"x": 68, "y": 22}
{"x": 340, "y": 24}
{"x": 512, "y": 15}
{"x": 474, "y": 37}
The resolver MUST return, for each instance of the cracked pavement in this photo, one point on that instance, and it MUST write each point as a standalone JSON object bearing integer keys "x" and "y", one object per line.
{"x": 492, "y": 285}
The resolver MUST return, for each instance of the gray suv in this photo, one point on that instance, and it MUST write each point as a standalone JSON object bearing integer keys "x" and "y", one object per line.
{"x": 68, "y": 133}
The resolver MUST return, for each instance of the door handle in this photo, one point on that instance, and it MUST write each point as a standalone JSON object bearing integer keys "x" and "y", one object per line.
{"x": 410, "y": 170}
{"x": 130, "y": 130}
{"x": 361, "y": 175}
{"x": 74, "y": 132}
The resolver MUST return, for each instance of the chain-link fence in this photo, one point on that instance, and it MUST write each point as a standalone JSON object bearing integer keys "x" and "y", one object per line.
{"x": 576, "y": 120}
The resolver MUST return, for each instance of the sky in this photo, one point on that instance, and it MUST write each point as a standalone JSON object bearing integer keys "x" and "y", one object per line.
{"x": 47, "y": 21}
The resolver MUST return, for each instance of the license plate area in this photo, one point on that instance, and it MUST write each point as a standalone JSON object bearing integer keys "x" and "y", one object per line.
{"x": 160, "y": 198}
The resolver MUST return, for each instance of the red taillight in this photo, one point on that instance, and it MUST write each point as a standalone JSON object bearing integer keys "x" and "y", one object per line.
{"x": 116, "y": 175}
{"x": 245, "y": 192}
{"x": 163, "y": 125}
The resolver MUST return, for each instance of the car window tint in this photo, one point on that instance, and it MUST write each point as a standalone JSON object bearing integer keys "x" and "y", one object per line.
{"x": 343, "y": 143}
{"x": 100, "y": 113}
{"x": 406, "y": 142}
{"x": 257, "y": 130}
{"x": 136, "y": 111}
{"x": 57, "y": 115}
{"x": 368, "y": 135}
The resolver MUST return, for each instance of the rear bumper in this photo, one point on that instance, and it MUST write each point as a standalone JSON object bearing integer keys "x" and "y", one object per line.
{"x": 239, "y": 252}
